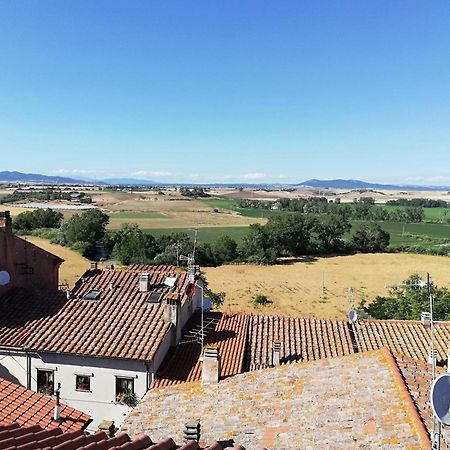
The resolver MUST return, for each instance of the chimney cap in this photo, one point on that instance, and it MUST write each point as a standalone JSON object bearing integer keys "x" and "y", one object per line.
{"x": 5, "y": 214}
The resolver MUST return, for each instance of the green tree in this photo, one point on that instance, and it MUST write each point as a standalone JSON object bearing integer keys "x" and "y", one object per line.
{"x": 330, "y": 229}
{"x": 290, "y": 234}
{"x": 408, "y": 302}
{"x": 371, "y": 238}
{"x": 40, "y": 218}
{"x": 224, "y": 250}
{"x": 132, "y": 245}
{"x": 85, "y": 230}
{"x": 256, "y": 246}
{"x": 414, "y": 214}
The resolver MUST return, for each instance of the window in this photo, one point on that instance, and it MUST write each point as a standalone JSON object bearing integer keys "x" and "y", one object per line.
{"x": 83, "y": 383}
{"x": 45, "y": 382}
{"x": 124, "y": 385}
{"x": 125, "y": 391}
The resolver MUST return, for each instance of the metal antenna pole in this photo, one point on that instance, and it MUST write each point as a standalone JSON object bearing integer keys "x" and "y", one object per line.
{"x": 436, "y": 445}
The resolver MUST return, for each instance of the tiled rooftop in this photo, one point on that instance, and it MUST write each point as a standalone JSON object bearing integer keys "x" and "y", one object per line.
{"x": 14, "y": 436}
{"x": 405, "y": 337}
{"x": 417, "y": 376}
{"x": 302, "y": 339}
{"x": 227, "y": 331}
{"x": 26, "y": 408}
{"x": 120, "y": 324}
{"x": 355, "y": 401}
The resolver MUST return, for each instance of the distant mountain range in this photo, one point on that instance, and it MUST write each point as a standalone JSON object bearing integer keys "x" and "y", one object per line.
{"x": 34, "y": 178}
{"x": 358, "y": 184}
{"x": 19, "y": 177}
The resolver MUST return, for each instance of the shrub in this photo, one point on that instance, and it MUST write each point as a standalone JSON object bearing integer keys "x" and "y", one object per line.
{"x": 261, "y": 300}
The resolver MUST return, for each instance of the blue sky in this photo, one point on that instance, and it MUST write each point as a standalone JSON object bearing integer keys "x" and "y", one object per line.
{"x": 227, "y": 90}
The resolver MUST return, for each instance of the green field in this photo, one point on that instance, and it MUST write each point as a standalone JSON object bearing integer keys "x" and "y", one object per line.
{"x": 431, "y": 214}
{"x": 204, "y": 234}
{"x": 423, "y": 234}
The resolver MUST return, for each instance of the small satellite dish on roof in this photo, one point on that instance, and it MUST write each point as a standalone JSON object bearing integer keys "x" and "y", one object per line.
{"x": 207, "y": 304}
{"x": 440, "y": 398}
{"x": 4, "y": 278}
{"x": 352, "y": 315}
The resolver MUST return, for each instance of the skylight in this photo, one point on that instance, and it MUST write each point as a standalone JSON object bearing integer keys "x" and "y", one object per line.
{"x": 93, "y": 294}
{"x": 155, "y": 297}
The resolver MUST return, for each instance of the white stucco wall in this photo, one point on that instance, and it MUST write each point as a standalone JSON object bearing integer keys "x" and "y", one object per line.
{"x": 99, "y": 402}
{"x": 13, "y": 366}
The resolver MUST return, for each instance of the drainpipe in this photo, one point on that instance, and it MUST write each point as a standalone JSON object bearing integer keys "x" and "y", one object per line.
{"x": 28, "y": 369}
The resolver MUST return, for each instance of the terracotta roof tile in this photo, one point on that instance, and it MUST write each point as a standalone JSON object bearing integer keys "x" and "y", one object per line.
{"x": 25, "y": 407}
{"x": 302, "y": 405}
{"x": 120, "y": 324}
{"x": 14, "y": 436}
{"x": 228, "y": 331}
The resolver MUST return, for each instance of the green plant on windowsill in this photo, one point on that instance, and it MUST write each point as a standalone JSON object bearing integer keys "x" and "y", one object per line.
{"x": 127, "y": 397}
{"x": 46, "y": 390}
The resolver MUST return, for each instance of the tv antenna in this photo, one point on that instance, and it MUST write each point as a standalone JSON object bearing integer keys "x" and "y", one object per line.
{"x": 428, "y": 321}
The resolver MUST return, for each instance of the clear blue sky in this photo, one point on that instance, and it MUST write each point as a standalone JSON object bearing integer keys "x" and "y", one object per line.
{"x": 227, "y": 90}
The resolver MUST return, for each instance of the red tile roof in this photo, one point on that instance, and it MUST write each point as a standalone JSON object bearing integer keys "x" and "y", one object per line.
{"x": 405, "y": 337}
{"x": 120, "y": 324}
{"x": 14, "y": 436}
{"x": 18, "y": 404}
{"x": 229, "y": 332}
{"x": 302, "y": 339}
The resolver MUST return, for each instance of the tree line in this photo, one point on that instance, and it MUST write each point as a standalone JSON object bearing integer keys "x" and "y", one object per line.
{"x": 45, "y": 195}
{"x": 286, "y": 235}
{"x": 363, "y": 208}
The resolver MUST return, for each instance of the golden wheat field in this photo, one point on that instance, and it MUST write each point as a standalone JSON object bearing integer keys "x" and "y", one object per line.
{"x": 320, "y": 287}
{"x": 312, "y": 287}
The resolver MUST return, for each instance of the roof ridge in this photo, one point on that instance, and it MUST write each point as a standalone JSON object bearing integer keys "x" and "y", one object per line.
{"x": 413, "y": 414}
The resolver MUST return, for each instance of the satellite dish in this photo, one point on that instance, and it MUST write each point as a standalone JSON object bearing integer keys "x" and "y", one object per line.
{"x": 207, "y": 304}
{"x": 440, "y": 398}
{"x": 4, "y": 278}
{"x": 352, "y": 315}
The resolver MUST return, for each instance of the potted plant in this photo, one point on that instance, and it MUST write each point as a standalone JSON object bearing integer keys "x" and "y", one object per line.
{"x": 127, "y": 397}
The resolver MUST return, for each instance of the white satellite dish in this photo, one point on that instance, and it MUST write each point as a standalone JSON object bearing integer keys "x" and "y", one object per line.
{"x": 4, "y": 278}
{"x": 352, "y": 315}
{"x": 440, "y": 398}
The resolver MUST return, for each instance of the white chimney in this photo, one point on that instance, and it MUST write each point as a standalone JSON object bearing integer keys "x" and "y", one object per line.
{"x": 430, "y": 356}
{"x": 57, "y": 410}
{"x": 211, "y": 365}
{"x": 276, "y": 353}
{"x": 143, "y": 282}
{"x": 93, "y": 265}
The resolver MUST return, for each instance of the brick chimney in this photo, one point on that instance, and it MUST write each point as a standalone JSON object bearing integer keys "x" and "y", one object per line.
{"x": 172, "y": 312}
{"x": 276, "y": 353}
{"x": 5, "y": 221}
{"x": 211, "y": 365}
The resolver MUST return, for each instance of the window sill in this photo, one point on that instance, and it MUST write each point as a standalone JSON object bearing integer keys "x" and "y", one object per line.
{"x": 83, "y": 390}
